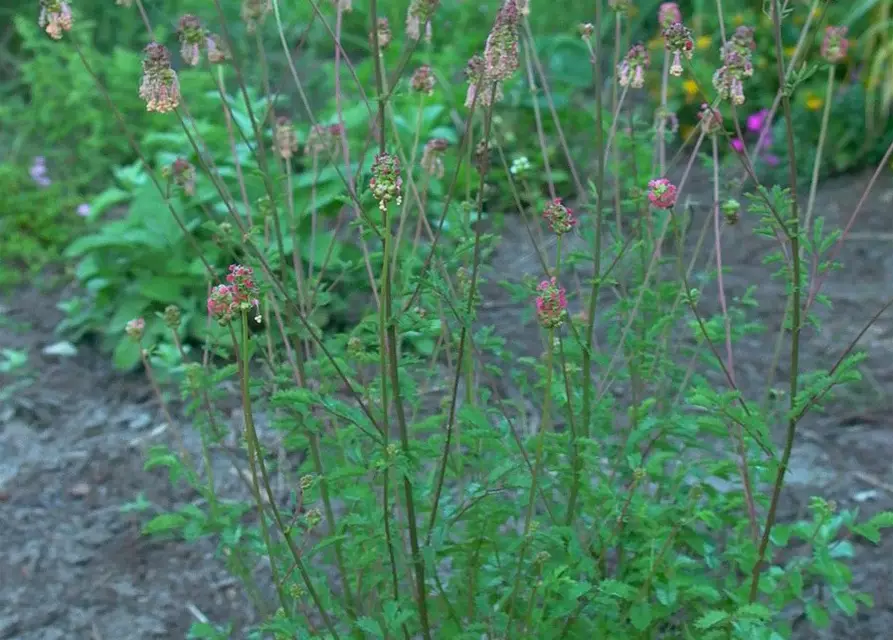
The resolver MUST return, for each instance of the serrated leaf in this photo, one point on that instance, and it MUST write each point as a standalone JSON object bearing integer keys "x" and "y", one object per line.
{"x": 712, "y": 618}
{"x": 640, "y": 615}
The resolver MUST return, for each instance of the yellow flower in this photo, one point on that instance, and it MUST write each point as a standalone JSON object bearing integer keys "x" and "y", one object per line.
{"x": 813, "y": 102}
{"x": 691, "y": 90}
{"x": 704, "y": 42}
{"x": 817, "y": 12}
{"x": 790, "y": 51}
{"x": 738, "y": 19}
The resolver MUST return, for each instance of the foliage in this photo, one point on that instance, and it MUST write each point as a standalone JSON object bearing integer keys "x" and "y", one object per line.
{"x": 624, "y": 488}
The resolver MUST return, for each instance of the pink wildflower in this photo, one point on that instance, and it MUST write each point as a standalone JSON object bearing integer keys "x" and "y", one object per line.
{"x": 756, "y": 120}
{"x": 160, "y": 87}
{"x": 551, "y": 304}
{"x": 422, "y": 80}
{"x": 662, "y": 193}
{"x": 55, "y": 17}
{"x": 737, "y": 144}
{"x": 501, "y": 50}
{"x": 835, "y": 44}
{"x": 668, "y": 14}
{"x": 239, "y": 294}
{"x": 560, "y": 218}
{"x": 631, "y": 70}
{"x": 678, "y": 41}
{"x": 481, "y": 90}
{"x": 420, "y": 13}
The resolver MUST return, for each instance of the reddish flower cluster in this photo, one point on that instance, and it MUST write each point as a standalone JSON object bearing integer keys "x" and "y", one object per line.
{"x": 501, "y": 50}
{"x": 239, "y": 294}
{"x": 422, "y": 80}
{"x": 160, "y": 87}
{"x": 192, "y": 39}
{"x": 285, "y": 142}
{"x": 182, "y": 173}
{"x": 386, "y": 183}
{"x": 55, "y": 17}
{"x": 737, "y": 65}
{"x": 551, "y": 304}
{"x": 668, "y": 14}
{"x": 662, "y": 193}
{"x": 322, "y": 138}
{"x": 419, "y": 14}
{"x": 135, "y": 328}
{"x": 631, "y": 70}
{"x": 678, "y": 41}
{"x": 561, "y": 219}
{"x": 835, "y": 44}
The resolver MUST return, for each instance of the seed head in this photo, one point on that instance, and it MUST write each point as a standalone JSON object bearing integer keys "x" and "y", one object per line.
{"x": 419, "y": 14}
{"x": 254, "y": 12}
{"x": 172, "y": 316}
{"x": 586, "y": 30}
{"x": 135, "y": 328}
{"x": 55, "y": 17}
{"x": 662, "y": 193}
{"x": 239, "y": 294}
{"x": 711, "y": 120}
{"x": 192, "y": 39}
{"x": 678, "y": 41}
{"x": 423, "y": 80}
{"x": 285, "y": 141}
{"x": 481, "y": 90}
{"x": 217, "y": 50}
{"x": 183, "y": 174}
{"x": 432, "y": 157}
{"x": 386, "y": 183}
{"x": 631, "y": 70}
{"x": 384, "y": 34}
{"x": 551, "y": 304}
{"x": 160, "y": 87}
{"x": 501, "y": 50}
{"x": 560, "y": 218}
{"x": 835, "y": 44}
{"x": 731, "y": 209}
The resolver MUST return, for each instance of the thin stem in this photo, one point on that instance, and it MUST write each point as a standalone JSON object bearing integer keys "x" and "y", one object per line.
{"x": 796, "y": 311}
{"x": 823, "y": 134}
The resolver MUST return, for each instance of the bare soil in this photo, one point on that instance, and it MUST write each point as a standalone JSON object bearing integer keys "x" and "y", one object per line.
{"x": 72, "y": 442}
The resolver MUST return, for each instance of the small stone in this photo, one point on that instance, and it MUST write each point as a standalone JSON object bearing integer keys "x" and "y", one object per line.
{"x": 79, "y": 490}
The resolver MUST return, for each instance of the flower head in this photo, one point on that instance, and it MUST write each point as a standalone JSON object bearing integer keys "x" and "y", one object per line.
{"x": 285, "y": 141}
{"x": 551, "y": 304}
{"x": 422, "y": 80}
{"x": 620, "y": 6}
{"x": 237, "y": 295}
{"x": 160, "y": 87}
{"x": 737, "y": 65}
{"x": 668, "y": 14}
{"x": 631, "y": 70}
{"x": 662, "y": 193}
{"x": 711, "y": 120}
{"x": 183, "y": 174}
{"x": 481, "y": 90}
{"x": 559, "y": 217}
{"x": 83, "y": 210}
{"x": 254, "y": 12}
{"x": 835, "y": 44}
{"x": 678, "y": 41}
{"x": 432, "y": 157}
{"x": 55, "y": 17}
{"x": 386, "y": 183}
{"x": 192, "y": 39}
{"x": 135, "y": 328}
{"x": 757, "y": 120}
{"x": 384, "y": 34}
{"x": 501, "y": 50}
{"x": 321, "y": 138}
{"x": 38, "y": 172}
{"x": 418, "y": 15}
{"x": 217, "y": 50}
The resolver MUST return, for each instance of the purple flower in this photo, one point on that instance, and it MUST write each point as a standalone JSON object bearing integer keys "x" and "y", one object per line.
{"x": 83, "y": 209}
{"x": 757, "y": 120}
{"x": 737, "y": 145}
{"x": 38, "y": 172}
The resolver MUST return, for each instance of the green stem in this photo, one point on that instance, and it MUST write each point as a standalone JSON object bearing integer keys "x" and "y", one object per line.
{"x": 823, "y": 134}
{"x": 794, "y": 235}
{"x": 545, "y": 425}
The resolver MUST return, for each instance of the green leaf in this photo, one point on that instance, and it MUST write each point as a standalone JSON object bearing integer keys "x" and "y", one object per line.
{"x": 817, "y": 615}
{"x": 370, "y": 626}
{"x": 711, "y": 619}
{"x": 846, "y": 602}
{"x": 640, "y": 615}
{"x": 126, "y": 355}
{"x": 164, "y": 523}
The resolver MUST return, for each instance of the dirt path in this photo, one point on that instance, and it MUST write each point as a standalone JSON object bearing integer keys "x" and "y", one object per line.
{"x": 72, "y": 564}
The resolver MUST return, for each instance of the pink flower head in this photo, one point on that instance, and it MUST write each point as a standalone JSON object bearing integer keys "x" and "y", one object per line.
{"x": 135, "y": 328}
{"x": 192, "y": 38}
{"x": 835, "y": 44}
{"x": 662, "y": 193}
{"x": 55, "y": 17}
{"x": 678, "y": 41}
{"x": 239, "y": 294}
{"x": 386, "y": 183}
{"x": 501, "y": 50}
{"x": 160, "y": 87}
{"x": 551, "y": 304}
{"x": 737, "y": 144}
{"x": 422, "y": 80}
{"x": 631, "y": 70}
{"x": 419, "y": 14}
{"x": 668, "y": 14}
{"x": 560, "y": 218}
{"x": 83, "y": 210}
